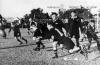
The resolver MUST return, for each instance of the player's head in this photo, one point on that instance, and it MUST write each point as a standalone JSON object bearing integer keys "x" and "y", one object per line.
{"x": 73, "y": 13}
{"x": 54, "y": 16}
{"x": 50, "y": 25}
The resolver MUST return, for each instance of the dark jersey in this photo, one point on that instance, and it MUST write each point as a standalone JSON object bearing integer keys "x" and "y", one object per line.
{"x": 66, "y": 26}
{"x": 74, "y": 25}
{"x": 68, "y": 43}
{"x": 54, "y": 33}
{"x": 58, "y": 24}
{"x": 37, "y": 33}
{"x": 16, "y": 30}
{"x": 84, "y": 26}
{"x": 91, "y": 33}
{"x": 43, "y": 28}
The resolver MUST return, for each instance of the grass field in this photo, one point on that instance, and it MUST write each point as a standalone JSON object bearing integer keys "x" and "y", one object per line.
{"x": 13, "y": 54}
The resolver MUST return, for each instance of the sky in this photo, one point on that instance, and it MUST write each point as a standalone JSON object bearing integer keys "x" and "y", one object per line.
{"x": 18, "y": 8}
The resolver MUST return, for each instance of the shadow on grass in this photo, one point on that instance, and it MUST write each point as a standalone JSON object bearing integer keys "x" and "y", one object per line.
{"x": 48, "y": 47}
{"x": 96, "y": 58}
{"x": 16, "y": 46}
{"x": 50, "y": 50}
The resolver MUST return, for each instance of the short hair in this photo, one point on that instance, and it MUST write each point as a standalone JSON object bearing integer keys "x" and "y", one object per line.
{"x": 50, "y": 23}
{"x": 92, "y": 21}
{"x": 32, "y": 23}
{"x": 73, "y": 11}
{"x": 53, "y": 13}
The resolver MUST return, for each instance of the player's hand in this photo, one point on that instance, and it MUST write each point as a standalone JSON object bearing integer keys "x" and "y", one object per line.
{"x": 51, "y": 40}
{"x": 68, "y": 35}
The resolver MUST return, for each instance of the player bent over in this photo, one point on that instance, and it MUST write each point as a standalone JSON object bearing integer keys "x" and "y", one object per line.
{"x": 38, "y": 37}
{"x": 56, "y": 36}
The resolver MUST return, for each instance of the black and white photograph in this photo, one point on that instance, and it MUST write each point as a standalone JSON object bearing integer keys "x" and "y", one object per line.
{"x": 49, "y": 32}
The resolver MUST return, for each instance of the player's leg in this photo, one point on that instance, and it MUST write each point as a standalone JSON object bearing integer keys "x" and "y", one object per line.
{"x": 55, "y": 49}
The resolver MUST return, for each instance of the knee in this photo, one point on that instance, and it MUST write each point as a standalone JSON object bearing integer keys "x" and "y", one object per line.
{"x": 61, "y": 45}
{"x": 54, "y": 45}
